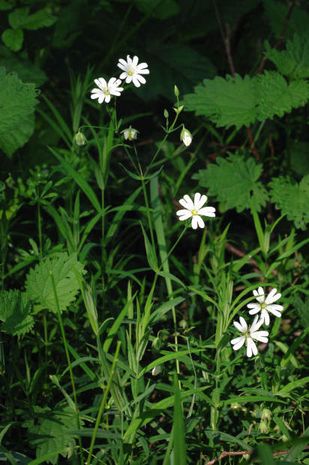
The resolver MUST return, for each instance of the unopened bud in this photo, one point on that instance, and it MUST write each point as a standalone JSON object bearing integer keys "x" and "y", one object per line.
{"x": 186, "y": 137}
{"x": 165, "y": 113}
{"x": 176, "y": 91}
{"x": 156, "y": 370}
{"x": 80, "y": 139}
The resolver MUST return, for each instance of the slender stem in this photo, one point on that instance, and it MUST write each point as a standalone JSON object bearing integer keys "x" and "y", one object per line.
{"x": 67, "y": 353}
{"x": 103, "y": 403}
{"x": 40, "y": 229}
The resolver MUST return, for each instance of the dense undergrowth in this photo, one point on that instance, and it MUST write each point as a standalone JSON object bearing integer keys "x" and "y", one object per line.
{"x": 123, "y": 290}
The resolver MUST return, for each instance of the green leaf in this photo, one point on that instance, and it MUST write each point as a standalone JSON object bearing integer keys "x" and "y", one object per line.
{"x": 21, "y": 18}
{"x": 13, "y": 39}
{"x": 285, "y": 391}
{"x": 237, "y": 101}
{"x": 65, "y": 271}
{"x": 234, "y": 181}
{"x": 55, "y": 434}
{"x": 294, "y": 61}
{"x": 17, "y": 103}
{"x": 15, "y": 313}
{"x": 24, "y": 68}
{"x": 265, "y": 454}
{"x": 292, "y": 199}
{"x": 179, "y": 437}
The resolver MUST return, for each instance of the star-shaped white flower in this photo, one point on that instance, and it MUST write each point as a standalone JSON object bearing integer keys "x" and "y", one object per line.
{"x": 105, "y": 89}
{"x": 194, "y": 210}
{"x": 249, "y": 335}
{"x": 132, "y": 70}
{"x": 265, "y": 304}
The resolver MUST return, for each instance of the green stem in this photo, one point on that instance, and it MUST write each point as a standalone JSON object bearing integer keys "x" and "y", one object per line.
{"x": 40, "y": 229}
{"x": 103, "y": 403}
{"x": 67, "y": 353}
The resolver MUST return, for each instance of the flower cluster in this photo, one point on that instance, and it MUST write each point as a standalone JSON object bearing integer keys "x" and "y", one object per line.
{"x": 261, "y": 308}
{"x": 132, "y": 71}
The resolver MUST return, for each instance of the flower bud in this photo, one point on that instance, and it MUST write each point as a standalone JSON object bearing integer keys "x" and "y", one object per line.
{"x": 80, "y": 139}
{"x": 156, "y": 370}
{"x": 166, "y": 115}
{"x": 176, "y": 91}
{"x": 186, "y": 137}
{"x": 130, "y": 133}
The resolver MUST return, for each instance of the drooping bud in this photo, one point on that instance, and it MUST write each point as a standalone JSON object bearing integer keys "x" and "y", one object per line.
{"x": 186, "y": 136}
{"x": 156, "y": 370}
{"x": 80, "y": 139}
{"x": 130, "y": 133}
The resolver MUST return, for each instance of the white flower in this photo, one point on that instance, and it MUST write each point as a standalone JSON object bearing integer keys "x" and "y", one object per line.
{"x": 106, "y": 89}
{"x": 130, "y": 133}
{"x": 186, "y": 137}
{"x": 249, "y": 335}
{"x": 265, "y": 304}
{"x": 194, "y": 210}
{"x": 132, "y": 71}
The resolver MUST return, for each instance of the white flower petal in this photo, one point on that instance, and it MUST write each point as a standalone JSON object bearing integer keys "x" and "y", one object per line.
{"x": 189, "y": 201}
{"x": 141, "y": 79}
{"x": 265, "y": 317}
{"x": 185, "y": 216}
{"x": 261, "y": 336}
{"x": 257, "y": 323}
{"x": 194, "y": 223}
{"x": 254, "y": 311}
{"x": 238, "y": 342}
{"x": 254, "y": 305}
{"x": 200, "y": 221}
{"x": 251, "y": 348}
{"x": 208, "y": 211}
{"x": 199, "y": 202}
{"x": 275, "y": 310}
{"x": 136, "y": 81}
{"x": 135, "y": 60}
{"x": 197, "y": 197}
{"x": 273, "y": 296}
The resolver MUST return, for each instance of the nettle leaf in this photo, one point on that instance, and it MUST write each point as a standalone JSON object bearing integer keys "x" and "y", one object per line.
{"x": 15, "y": 314}
{"x": 13, "y": 39}
{"x": 17, "y": 104}
{"x": 294, "y": 61}
{"x": 66, "y": 273}
{"x": 237, "y": 101}
{"x": 234, "y": 181}
{"x": 21, "y": 18}
{"x": 292, "y": 199}
{"x": 55, "y": 434}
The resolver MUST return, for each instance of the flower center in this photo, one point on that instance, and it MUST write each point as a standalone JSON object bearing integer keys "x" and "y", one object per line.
{"x": 194, "y": 212}
{"x": 130, "y": 72}
{"x": 263, "y": 305}
{"x": 106, "y": 92}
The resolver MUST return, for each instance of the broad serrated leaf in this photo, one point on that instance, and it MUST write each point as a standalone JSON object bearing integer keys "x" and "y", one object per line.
{"x": 17, "y": 104}
{"x": 294, "y": 61}
{"x": 234, "y": 181}
{"x": 55, "y": 434}
{"x": 62, "y": 271}
{"x": 292, "y": 199}
{"x": 15, "y": 313}
{"x": 237, "y": 101}
{"x": 21, "y": 18}
{"x": 13, "y": 39}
